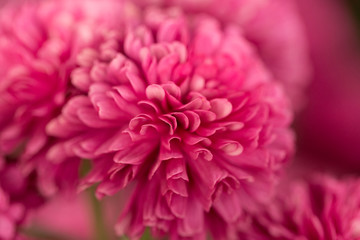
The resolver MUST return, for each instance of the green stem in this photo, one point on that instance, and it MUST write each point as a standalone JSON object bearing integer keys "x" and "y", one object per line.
{"x": 41, "y": 234}
{"x": 146, "y": 235}
{"x": 100, "y": 230}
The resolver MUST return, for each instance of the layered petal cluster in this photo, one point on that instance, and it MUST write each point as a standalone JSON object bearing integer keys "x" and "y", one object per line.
{"x": 182, "y": 109}
{"x": 35, "y": 64}
{"x": 273, "y": 26}
{"x": 38, "y": 42}
{"x": 322, "y": 208}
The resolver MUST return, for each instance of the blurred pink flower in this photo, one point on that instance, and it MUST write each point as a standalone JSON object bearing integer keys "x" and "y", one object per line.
{"x": 278, "y": 33}
{"x": 329, "y": 127}
{"x": 274, "y": 27}
{"x": 35, "y": 62}
{"x": 18, "y": 193}
{"x": 38, "y": 44}
{"x": 321, "y": 209}
{"x": 10, "y": 216}
{"x": 184, "y": 109}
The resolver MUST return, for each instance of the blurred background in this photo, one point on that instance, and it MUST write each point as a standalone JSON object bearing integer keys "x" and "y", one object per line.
{"x": 329, "y": 127}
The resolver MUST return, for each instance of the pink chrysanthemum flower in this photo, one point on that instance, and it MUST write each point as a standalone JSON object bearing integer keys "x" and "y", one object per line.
{"x": 38, "y": 44}
{"x": 184, "y": 109}
{"x": 38, "y": 41}
{"x": 273, "y": 26}
{"x": 321, "y": 209}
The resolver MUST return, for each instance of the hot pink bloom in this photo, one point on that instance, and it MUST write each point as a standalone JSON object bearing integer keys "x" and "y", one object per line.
{"x": 39, "y": 41}
{"x": 321, "y": 209}
{"x": 184, "y": 109}
{"x": 273, "y": 26}
{"x": 38, "y": 44}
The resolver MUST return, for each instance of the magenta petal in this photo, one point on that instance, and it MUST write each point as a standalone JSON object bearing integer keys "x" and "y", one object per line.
{"x": 107, "y": 109}
{"x": 178, "y": 186}
{"x": 119, "y": 141}
{"x": 171, "y": 122}
{"x": 155, "y": 92}
{"x": 162, "y": 210}
{"x": 173, "y": 90}
{"x": 92, "y": 119}
{"x": 182, "y": 119}
{"x": 227, "y": 205}
{"x": 221, "y": 107}
{"x": 135, "y": 155}
{"x": 192, "y": 139}
{"x": 231, "y": 148}
{"x": 175, "y": 168}
{"x": 178, "y": 205}
{"x": 193, "y": 222}
{"x": 126, "y": 93}
{"x": 117, "y": 182}
{"x": 194, "y": 120}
